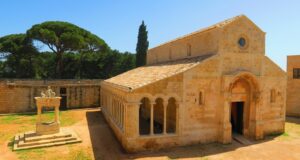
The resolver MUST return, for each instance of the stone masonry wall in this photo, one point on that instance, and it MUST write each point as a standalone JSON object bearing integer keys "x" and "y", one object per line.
{"x": 201, "y": 44}
{"x": 293, "y": 87}
{"x": 18, "y": 95}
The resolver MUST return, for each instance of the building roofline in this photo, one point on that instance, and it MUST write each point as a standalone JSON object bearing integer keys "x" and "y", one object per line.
{"x": 129, "y": 89}
{"x": 202, "y": 30}
{"x": 295, "y": 55}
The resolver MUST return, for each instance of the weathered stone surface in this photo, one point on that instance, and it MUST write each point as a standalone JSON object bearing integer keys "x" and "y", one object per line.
{"x": 18, "y": 95}
{"x": 29, "y": 140}
{"x": 47, "y": 133}
{"x": 293, "y": 87}
{"x": 43, "y": 128}
{"x": 199, "y": 99}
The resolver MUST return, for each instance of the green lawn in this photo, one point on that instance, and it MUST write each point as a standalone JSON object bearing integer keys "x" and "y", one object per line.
{"x": 10, "y": 125}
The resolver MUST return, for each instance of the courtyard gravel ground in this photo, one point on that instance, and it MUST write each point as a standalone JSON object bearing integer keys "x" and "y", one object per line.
{"x": 100, "y": 143}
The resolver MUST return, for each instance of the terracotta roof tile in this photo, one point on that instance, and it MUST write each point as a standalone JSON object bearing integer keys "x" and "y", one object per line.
{"x": 145, "y": 75}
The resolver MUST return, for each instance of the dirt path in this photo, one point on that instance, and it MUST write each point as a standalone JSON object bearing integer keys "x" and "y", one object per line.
{"x": 96, "y": 134}
{"x": 105, "y": 145}
{"x": 100, "y": 142}
{"x": 5, "y": 152}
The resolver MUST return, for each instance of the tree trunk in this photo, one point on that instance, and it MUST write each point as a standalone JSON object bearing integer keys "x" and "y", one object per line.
{"x": 59, "y": 65}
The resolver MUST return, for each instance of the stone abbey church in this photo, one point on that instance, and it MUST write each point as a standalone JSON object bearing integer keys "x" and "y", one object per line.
{"x": 199, "y": 88}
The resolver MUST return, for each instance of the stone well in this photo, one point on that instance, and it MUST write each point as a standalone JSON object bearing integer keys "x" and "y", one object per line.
{"x": 47, "y": 133}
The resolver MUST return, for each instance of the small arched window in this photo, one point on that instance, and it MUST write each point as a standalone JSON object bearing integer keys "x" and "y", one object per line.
{"x": 201, "y": 98}
{"x": 273, "y": 95}
{"x": 189, "y": 50}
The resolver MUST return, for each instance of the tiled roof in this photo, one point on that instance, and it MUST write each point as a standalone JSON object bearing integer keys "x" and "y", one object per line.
{"x": 145, "y": 75}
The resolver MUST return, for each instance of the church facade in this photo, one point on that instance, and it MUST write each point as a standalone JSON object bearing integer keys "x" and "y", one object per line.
{"x": 199, "y": 88}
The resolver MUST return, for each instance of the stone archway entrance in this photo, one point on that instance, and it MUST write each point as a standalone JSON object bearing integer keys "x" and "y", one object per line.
{"x": 240, "y": 113}
{"x": 240, "y": 108}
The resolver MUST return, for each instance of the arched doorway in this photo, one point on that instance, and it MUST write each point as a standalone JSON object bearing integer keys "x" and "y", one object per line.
{"x": 240, "y": 109}
{"x": 244, "y": 93}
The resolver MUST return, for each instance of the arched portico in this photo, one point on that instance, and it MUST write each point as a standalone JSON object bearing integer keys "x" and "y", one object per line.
{"x": 241, "y": 97}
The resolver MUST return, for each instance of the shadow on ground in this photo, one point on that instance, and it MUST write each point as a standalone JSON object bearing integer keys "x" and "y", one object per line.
{"x": 106, "y": 146}
{"x": 295, "y": 120}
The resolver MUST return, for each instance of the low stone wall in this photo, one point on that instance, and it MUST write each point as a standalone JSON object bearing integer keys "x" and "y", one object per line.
{"x": 18, "y": 95}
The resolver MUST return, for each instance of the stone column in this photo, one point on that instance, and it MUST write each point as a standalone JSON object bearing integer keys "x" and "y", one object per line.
{"x": 39, "y": 112}
{"x": 132, "y": 119}
{"x": 151, "y": 118}
{"x": 178, "y": 117}
{"x": 165, "y": 117}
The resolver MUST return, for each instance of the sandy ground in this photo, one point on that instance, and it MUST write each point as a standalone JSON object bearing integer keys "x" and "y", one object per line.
{"x": 100, "y": 142}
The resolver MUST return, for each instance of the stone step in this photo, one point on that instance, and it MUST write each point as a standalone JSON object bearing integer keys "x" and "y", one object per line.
{"x": 47, "y": 141}
{"x": 33, "y": 138}
{"x": 241, "y": 139}
{"x": 48, "y": 145}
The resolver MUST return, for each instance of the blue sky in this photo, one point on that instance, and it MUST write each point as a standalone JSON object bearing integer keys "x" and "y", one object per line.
{"x": 117, "y": 21}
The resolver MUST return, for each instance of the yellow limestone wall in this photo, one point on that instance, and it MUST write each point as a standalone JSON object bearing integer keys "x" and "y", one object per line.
{"x": 293, "y": 87}
{"x": 215, "y": 77}
{"x": 18, "y": 95}
{"x": 201, "y": 44}
{"x": 211, "y": 40}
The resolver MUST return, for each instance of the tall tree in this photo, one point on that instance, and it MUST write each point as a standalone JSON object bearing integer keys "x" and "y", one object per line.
{"x": 142, "y": 45}
{"x": 21, "y": 51}
{"x": 63, "y": 37}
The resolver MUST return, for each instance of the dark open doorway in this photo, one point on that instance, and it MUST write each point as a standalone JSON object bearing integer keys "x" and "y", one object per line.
{"x": 63, "y": 102}
{"x": 237, "y": 121}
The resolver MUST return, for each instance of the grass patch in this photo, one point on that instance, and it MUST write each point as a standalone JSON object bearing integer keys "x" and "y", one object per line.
{"x": 9, "y": 119}
{"x": 31, "y": 154}
{"x": 10, "y": 125}
{"x": 285, "y": 134}
{"x": 66, "y": 118}
{"x": 17, "y": 118}
{"x": 80, "y": 155}
{"x": 66, "y": 152}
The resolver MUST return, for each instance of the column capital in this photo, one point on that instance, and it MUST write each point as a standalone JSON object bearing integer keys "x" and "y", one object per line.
{"x": 152, "y": 102}
{"x": 165, "y": 103}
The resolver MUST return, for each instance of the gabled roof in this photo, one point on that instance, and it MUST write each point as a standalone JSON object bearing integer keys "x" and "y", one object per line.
{"x": 221, "y": 24}
{"x": 146, "y": 75}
